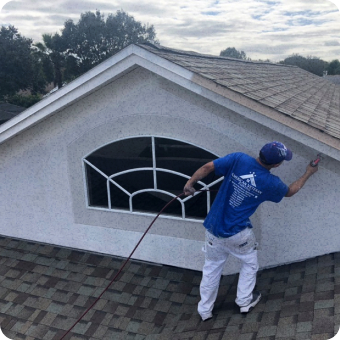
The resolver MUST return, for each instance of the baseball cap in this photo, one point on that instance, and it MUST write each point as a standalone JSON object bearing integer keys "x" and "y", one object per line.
{"x": 274, "y": 153}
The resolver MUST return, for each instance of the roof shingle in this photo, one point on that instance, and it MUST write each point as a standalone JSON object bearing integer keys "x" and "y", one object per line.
{"x": 44, "y": 289}
{"x": 288, "y": 89}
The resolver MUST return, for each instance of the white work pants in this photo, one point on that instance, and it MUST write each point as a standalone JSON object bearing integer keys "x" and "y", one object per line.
{"x": 243, "y": 246}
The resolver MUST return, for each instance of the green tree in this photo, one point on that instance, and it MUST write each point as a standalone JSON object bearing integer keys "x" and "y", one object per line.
{"x": 85, "y": 40}
{"x": 52, "y": 53}
{"x": 333, "y": 67}
{"x": 311, "y": 64}
{"x": 123, "y": 30}
{"x": 24, "y": 100}
{"x": 263, "y": 60}
{"x": 94, "y": 39}
{"x": 18, "y": 68}
{"x": 232, "y": 52}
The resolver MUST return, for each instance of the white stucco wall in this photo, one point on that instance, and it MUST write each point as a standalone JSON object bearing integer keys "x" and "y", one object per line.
{"x": 42, "y": 183}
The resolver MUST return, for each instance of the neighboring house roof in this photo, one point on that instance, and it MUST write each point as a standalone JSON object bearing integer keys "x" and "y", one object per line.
{"x": 288, "y": 89}
{"x": 8, "y": 111}
{"x": 333, "y": 79}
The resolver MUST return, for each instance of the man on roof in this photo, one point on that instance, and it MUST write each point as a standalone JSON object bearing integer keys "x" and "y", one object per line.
{"x": 247, "y": 183}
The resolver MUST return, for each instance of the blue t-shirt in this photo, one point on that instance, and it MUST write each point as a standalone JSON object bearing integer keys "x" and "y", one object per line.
{"x": 245, "y": 186}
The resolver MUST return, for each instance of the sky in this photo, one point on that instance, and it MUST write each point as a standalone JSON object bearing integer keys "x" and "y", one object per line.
{"x": 263, "y": 29}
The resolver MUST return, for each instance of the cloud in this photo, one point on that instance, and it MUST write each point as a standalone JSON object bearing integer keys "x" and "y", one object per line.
{"x": 263, "y": 29}
{"x": 3, "y": 3}
{"x": 332, "y": 43}
{"x": 336, "y": 3}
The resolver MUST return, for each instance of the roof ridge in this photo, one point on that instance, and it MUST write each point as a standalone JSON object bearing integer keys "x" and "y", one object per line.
{"x": 161, "y": 48}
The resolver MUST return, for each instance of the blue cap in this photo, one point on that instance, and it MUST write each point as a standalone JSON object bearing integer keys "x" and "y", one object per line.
{"x": 274, "y": 153}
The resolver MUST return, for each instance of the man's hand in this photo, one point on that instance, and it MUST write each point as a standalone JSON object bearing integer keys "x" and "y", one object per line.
{"x": 189, "y": 190}
{"x": 298, "y": 184}
{"x": 310, "y": 170}
{"x": 202, "y": 172}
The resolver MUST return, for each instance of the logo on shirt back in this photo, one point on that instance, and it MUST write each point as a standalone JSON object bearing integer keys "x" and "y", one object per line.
{"x": 250, "y": 178}
{"x": 244, "y": 187}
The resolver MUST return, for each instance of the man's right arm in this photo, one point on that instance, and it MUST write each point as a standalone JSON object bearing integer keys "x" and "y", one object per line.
{"x": 298, "y": 184}
{"x": 202, "y": 172}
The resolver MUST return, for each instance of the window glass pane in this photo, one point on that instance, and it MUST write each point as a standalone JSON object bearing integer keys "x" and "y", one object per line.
{"x": 135, "y": 181}
{"x": 136, "y": 153}
{"x": 155, "y": 202}
{"x": 171, "y": 183}
{"x": 119, "y": 199}
{"x": 213, "y": 191}
{"x": 181, "y": 157}
{"x": 196, "y": 207}
{"x": 97, "y": 189}
{"x": 123, "y": 155}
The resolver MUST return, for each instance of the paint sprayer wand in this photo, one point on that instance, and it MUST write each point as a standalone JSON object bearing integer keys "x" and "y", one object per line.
{"x": 316, "y": 161}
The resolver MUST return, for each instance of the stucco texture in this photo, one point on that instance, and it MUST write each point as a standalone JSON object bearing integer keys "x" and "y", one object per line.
{"x": 43, "y": 191}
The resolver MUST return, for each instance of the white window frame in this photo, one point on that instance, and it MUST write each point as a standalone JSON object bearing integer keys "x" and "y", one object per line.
{"x": 154, "y": 169}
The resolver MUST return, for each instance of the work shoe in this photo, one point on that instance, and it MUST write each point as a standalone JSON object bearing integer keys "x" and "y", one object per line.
{"x": 206, "y": 317}
{"x": 255, "y": 300}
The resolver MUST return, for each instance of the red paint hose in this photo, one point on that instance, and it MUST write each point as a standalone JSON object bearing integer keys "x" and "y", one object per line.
{"x": 124, "y": 264}
{"x": 312, "y": 163}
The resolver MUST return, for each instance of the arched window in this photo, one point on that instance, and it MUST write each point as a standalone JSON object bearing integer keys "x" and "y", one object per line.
{"x": 142, "y": 174}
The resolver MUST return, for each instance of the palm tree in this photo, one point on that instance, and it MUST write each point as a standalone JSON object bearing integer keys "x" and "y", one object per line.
{"x": 53, "y": 48}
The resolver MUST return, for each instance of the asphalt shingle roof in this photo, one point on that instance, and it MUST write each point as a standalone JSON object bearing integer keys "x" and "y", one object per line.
{"x": 287, "y": 89}
{"x": 45, "y": 288}
{"x": 8, "y": 111}
{"x": 333, "y": 79}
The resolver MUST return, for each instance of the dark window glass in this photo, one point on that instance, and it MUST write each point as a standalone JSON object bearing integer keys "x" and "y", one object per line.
{"x": 119, "y": 199}
{"x": 171, "y": 183}
{"x": 155, "y": 202}
{"x": 97, "y": 189}
{"x": 214, "y": 190}
{"x": 123, "y": 155}
{"x": 136, "y": 153}
{"x": 135, "y": 181}
{"x": 181, "y": 157}
{"x": 196, "y": 207}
